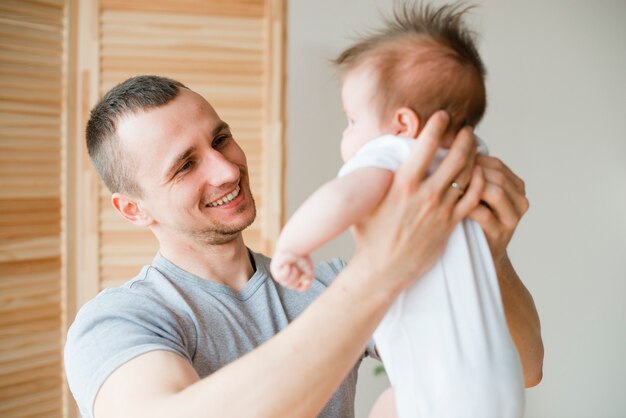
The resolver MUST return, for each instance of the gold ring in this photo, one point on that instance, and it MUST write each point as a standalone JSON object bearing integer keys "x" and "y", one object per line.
{"x": 458, "y": 187}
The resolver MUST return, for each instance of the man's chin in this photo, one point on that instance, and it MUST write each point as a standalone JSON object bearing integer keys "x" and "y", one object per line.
{"x": 223, "y": 234}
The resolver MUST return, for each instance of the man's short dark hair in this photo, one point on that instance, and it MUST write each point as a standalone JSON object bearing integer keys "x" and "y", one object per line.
{"x": 107, "y": 154}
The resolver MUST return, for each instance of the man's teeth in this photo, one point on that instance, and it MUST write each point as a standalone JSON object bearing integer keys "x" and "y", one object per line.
{"x": 226, "y": 198}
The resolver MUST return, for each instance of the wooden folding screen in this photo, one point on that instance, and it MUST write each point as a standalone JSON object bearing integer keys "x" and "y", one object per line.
{"x": 60, "y": 240}
{"x": 31, "y": 114}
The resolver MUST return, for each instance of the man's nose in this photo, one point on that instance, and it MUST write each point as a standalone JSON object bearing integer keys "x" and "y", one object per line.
{"x": 219, "y": 170}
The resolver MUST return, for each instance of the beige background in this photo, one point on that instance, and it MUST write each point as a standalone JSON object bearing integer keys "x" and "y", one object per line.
{"x": 557, "y": 107}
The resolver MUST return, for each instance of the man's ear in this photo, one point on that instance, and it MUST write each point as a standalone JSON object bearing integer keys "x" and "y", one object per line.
{"x": 130, "y": 210}
{"x": 405, "y": 123}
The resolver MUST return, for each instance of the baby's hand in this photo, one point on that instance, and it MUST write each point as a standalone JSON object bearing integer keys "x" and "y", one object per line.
{"x": 292, "y": 271}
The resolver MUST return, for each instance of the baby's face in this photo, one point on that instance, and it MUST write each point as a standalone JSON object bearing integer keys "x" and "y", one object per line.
{"x": 364, "y": 123}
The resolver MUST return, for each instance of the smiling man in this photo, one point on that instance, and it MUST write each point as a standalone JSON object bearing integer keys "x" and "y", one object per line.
{"x": 203, "y": 330}
{"x": 194, "y": 191}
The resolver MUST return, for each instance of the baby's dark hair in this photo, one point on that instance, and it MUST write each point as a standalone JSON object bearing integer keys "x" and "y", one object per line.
{"x": 424, "y": 59}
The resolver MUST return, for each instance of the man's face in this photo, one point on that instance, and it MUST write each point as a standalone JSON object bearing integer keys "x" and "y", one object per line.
{"x": 192, "y": 173}
{"x": 364, "y": 123}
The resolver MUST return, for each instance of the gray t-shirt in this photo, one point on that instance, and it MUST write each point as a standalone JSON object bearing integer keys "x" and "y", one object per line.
{"x": 207, "y": 323}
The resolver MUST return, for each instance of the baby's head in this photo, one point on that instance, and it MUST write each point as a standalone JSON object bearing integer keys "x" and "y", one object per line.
{"x": 424, "y": 60}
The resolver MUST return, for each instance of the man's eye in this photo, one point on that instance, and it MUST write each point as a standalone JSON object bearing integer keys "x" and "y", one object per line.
{"x": 220, "y": 140}
{"x": 185, "y": 167}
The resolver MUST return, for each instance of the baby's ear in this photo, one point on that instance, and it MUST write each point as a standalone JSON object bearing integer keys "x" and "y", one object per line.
{"x": 405, "y": 123}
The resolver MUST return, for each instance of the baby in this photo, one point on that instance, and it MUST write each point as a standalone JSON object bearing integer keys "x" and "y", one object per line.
{"x": 444, "y": 342}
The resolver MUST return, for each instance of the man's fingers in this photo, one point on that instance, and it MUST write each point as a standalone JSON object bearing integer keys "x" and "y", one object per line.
{"x": 513, "y": 190}
{"x": 457, "y": 165}
{"x": 472, "y": 195}
{"x": 486, "y": 219}
{"x": 414, "y": 168}
{"x": 459, "y": 185}
{"x": 495, "y": 167}
{"x": 501, "y": 205}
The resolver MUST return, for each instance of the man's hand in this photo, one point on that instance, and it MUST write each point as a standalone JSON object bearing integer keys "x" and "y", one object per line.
{"x": 503, "y": 203}
{"x": 418, "y": 214}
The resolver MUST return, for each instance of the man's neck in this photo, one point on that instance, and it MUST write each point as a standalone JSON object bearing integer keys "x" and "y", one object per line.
{"x": 227, "y": 263}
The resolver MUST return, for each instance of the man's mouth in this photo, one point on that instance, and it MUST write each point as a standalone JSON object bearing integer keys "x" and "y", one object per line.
{"x": 224, "y": 200}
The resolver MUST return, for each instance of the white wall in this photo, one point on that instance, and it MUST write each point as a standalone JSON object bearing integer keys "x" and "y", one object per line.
{"x": 557, "y": 113}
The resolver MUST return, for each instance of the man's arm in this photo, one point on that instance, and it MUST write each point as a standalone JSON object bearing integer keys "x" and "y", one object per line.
{"x": 296, "y": 372}
{"x": 283, "y": 377}
{"x": 504, "y": 204}
{"x": 523, "y": 321}
{"x": 328, "y": 212}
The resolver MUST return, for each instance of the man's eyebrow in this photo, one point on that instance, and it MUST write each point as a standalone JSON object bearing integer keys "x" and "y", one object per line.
{"x": 177, "y": 161}
{"x": 222, "y": 126}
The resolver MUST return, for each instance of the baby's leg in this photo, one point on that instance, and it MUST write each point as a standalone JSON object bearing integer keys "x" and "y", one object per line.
{"x": 445, "y": 342}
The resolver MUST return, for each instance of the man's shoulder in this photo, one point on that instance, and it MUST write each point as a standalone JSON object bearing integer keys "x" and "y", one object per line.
{"x": 121, "y": 323}
{"x": 138, "y": 296}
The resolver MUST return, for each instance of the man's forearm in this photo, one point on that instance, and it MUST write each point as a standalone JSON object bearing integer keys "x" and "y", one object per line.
{"x": 523, "y": 321}
{"x": 296, "y": 372}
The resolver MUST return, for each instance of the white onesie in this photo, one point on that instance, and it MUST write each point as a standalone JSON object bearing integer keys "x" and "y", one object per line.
{"x": 445, "y": 342}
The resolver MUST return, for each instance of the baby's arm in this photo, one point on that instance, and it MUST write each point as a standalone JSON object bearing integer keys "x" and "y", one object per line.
{"x": 328, "y": 212}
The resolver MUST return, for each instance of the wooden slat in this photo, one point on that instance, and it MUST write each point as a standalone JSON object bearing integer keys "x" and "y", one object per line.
{"x": 247, "y": 8}
{"x": 31, "y": 404}
{"x": 31, "y": 314}
{"x": 17, "y": 301}
{"x": 18, "y": 82}
{"x": 28, "y": 108}
{"x": 26, "y": 182}
{"x": 36, "y": 10}
{"x": 29, "y": 249}
{"x": 24, "y": 140}
{"x": 24, "y": 39}
{"x": 41, "y": 169}
{"x": 30, "y": 231}
{"x": 44, "y": 324}
{"x": 17, "y": 269}
{"x": 22, "y": 20}
{"x": 38, "y": 205}
{"x": 30, "y": 218}
{"x": 43, "y": 409}
{"x": 29, "y": 57}
{"x": 20, "y": 68}
{"x": 25, "y": 353}
{"x": 34, "y": 374}
{"x": 46, "y": 384}
{"x": 39, "y": 192}
{"x": 19, "y": 296}
{"x": 181, "y": 27}
{"x": 51, "y": 94}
